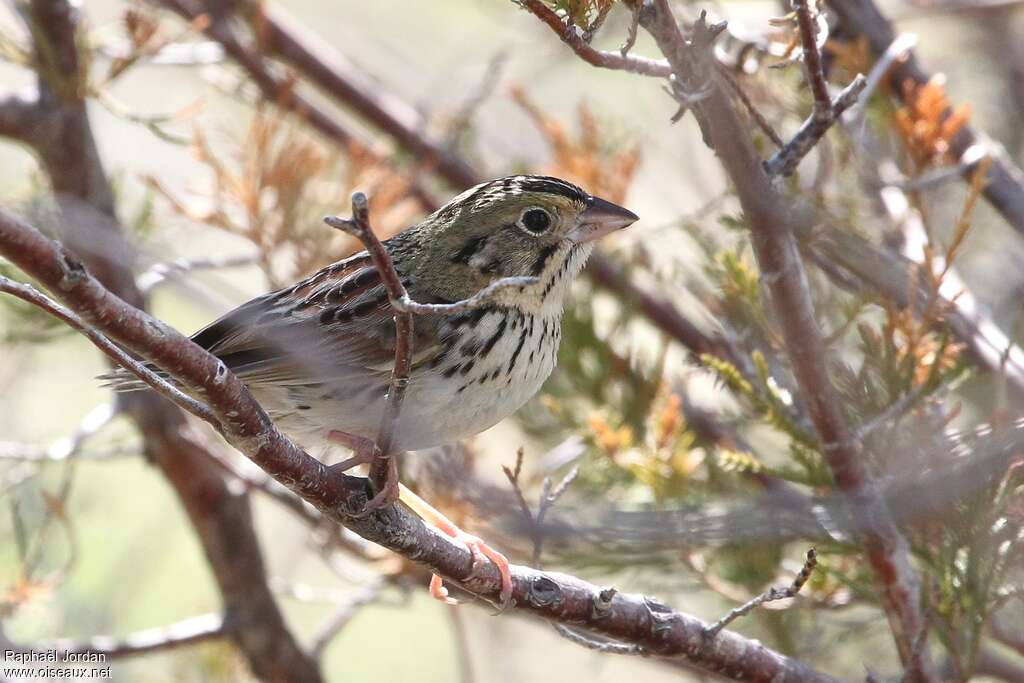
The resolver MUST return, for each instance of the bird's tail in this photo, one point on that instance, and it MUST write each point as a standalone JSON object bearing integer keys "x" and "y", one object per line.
{"x": 122, "y": 381}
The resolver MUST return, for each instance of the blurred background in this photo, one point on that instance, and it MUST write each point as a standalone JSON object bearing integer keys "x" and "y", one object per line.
{"x": 220, "y": 193}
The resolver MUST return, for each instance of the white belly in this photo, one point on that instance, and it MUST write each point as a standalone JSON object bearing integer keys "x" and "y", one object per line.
{"x": 444, "y": 403}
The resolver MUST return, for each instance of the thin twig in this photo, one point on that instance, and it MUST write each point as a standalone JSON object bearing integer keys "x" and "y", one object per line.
{"x": 548, "y": 498}
{"x": 513, "y": 478}
{"x": 770, "y": 595}
{"x": 897, "y": 49}
{"x": 634, "y": 24}
{"x": 185, "y": 632}
{"x": 485, "y": 296}
{"x": 812, "y": 59}
{"x": 340, "y": 618}
{"x": 939, "y": 176}
{"x": 160, "y": 272}
{"x": 33, "y": 296}
{"x": 826, "y": 111}
{"x": 598, "y": 644}
{"x": 785, "y": 161}
{"x": 359, "y": 227}
{"x": 754, "y": 112}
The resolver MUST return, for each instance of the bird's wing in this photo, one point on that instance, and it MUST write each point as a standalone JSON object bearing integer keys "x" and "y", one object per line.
{"x": 333, "y": 327}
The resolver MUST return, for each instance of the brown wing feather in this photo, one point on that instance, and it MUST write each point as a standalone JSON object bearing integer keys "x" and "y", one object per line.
{"x": 335, "y": 326}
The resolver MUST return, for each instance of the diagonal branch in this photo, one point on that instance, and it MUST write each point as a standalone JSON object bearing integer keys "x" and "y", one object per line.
{"x": 185, "y": 632}
{"x": 783, "y": 274}
{"x": 62, "y": 137}
{"x": 635, "y": 619}
{"x": 282, "y": 36}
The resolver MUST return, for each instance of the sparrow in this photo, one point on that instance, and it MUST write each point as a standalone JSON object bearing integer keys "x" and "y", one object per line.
{"x": 318, "y": 355}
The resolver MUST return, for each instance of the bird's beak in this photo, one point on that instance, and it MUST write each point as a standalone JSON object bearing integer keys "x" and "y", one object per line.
{"x": 600, "y": 218}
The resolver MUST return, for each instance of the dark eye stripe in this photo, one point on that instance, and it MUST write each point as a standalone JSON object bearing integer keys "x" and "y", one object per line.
{"x": 542, "y": 260}
{"x": 470, "y": 249}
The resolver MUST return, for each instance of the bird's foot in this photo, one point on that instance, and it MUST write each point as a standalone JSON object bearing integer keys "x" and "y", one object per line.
{"x": 365, "y": 452}
{"x": 479, "y": 550}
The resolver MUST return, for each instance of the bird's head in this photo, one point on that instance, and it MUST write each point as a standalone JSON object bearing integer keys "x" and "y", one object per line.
{"x": 515, "y": 226}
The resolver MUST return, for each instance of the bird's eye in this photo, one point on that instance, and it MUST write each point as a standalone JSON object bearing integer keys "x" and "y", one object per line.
{"x": 535, "y": 220}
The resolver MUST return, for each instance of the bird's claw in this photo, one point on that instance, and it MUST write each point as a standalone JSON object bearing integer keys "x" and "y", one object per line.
{"x": 479, "y": 550}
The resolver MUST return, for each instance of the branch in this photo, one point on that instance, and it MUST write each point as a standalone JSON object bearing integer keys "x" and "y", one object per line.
{"x": 359, "y": 227}
{"x": 185, "y": 632}
{"x": 783, "y": 274}
{"x": 280, "y": 35}
{"x": 219, "y": 514}
{"x": 19, "y": 115}
{"x": 770, "y": 595}
{"x": 31, "y": 295}
{"x": 343, "y": 614}
{"x": 825, "y": 112}
{"x": 785, "y": 161}
{"x": 557, "y": 597}
{"x": 812, "y": 57}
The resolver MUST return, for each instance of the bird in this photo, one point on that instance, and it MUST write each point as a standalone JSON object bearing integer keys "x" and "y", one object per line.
{"x": 318, "y": 354}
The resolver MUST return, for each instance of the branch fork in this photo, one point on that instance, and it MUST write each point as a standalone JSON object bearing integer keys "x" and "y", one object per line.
{"x": 826, "y": 111}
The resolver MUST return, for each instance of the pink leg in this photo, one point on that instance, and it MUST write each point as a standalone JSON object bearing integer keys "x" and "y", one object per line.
{"x": 364, "y": 452}
{"x": 477, "y": 547}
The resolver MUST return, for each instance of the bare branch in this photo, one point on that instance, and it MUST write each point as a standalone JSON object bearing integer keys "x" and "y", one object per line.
{"x": 634, "y": 24}
{"x": 783, "y": 274}
{"x": 159, "y": 273}
{"x": 343, "y": 614}
{"x": 770, "y": 595}
{"x": 359, "y": 227}
{"x": 186, "y": 632}
{"x": 785, "y": 161}
{"x": 825, "y": 112}
{"x": 812, "y": 58}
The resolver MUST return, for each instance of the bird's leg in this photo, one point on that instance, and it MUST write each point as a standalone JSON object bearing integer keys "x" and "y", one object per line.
{"x": 476, "y": 547}
{"x": 365, "y": 452}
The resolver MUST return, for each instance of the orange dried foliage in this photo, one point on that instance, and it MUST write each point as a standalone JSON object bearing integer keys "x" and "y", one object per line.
{"x": 927, "y": 122}
{"x": 586, "y": 160}
{"x": 915, "y": 343}
{"x": 276, "y": 183}
{"x": 668, "y": 421}
{"x": 608, "y": 438}
{"x": 23, "y": 591}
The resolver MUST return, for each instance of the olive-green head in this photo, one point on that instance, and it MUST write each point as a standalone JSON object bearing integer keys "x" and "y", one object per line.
{"x": 514, "y": 226}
